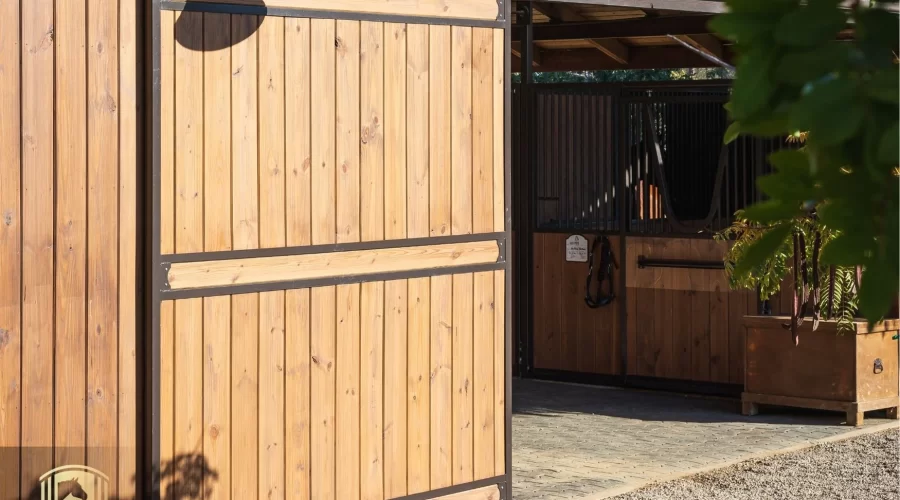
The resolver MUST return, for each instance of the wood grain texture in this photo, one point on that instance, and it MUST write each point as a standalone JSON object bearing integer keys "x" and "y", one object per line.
{"x": 499, "y": 130}
{"x": 217, "y": 425}
{"x": 395, "y": 161}
{"x": 417, "y": 131}
{"x": 372, "y": 158}
{"x": 461, "y": 130}
{"x": 347, "y": 43}
{"x": 188, "y": 401}
{"x": 463, "y": 9}
{"x": 271, "y": 395}
{"x": 441, "y": 393}
{"x": 245, "y": 337}
{"x": 483, "y": 376}
{"x": 71, "y": 232}
{"x": 245, "y": 132}
{"x": 395, "y": 387}
{"x": 322, "y": 348}
{"x": 217, "y": 132}
{"x": 271, "y": 98}
{"x": 439, "y": 129}
{"x": 102, "y": 257}
{"x": 500, "y": 372}
{"x": 418, "y": 402}
{"x": 371, "y": 391}
{"x": 323, "y": 133}
{"x": 298, "y": 126}
{"x": 463, "y": 378}
{"x": 297, "y": 385}
{"x": 347, "y": 409}
{"x": 325, "y": 265}
{"x": 167, "y": 139}
{"x": 10, "y": 244}
{"x": 482, "y": 130}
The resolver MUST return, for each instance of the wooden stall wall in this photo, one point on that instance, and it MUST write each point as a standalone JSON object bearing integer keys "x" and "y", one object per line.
{"x": 569, "y": 335}
{"x": 286, "y": 132}
{"x": 684, "y": 323}
{"x": 69, "y": 114}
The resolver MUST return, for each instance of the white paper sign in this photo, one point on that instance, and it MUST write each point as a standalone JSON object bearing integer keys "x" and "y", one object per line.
{"x": 576, "y": 248}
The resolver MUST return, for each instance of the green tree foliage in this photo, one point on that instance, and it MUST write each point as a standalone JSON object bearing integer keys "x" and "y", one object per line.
{"x": 629, "y": 75}
{"x": 794, "y": 75}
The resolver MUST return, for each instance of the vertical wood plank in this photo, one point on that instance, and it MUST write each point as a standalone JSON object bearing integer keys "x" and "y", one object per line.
{"x": 217, "y": 237}
{"x": 245, "y": 159}
{"x": 371, "y": 174}
{"x": 483, "y": 383}
{"x": 482, "y": 130}
{"x": 553, "y": 256}
{"x": 297, "y": 386}
{"x": 463, "y": 317}
{"x": 461, "y": 139}
{"x": 71, "y": 232}
{"x": 245, "y": 338}
{"x": 297, "y": 130}
{"x": 499, "y": 130}
{"x": 347, "y": 412}
{"x": 500, "y": 372}
{"x": 189, "y": 383}
{"x": 439, "y": 125}
{"x": 441, "y": 381}
{"x": 740, "y": 303}
{"x": 418, "y": 401}
{"x": 129, "y": 97}
{"x": 166, "y": 387}
{"x": 542, "y": 348}
{"x": 217, "y": 132}
{"x": 188, "y": 134}
{"x": 701, "y": 302}
{"x": 217, "y": 425}
{"x": 323, "y": 133}
{"x": 102, "y": 258}
{"x": 323, "y": 383}
{"x": 718, "y": 317}
{"x": 371, "y": 390}
{"x": 167, "y": 132}
{"x": 395, "y": 131}
{"x": 271, "y": 394}
{"x": 347, "y": 120}
{"x": 10, "y": 244}
{"x": 417, "y": 120}
{"x": 395, "y": 367}
{"x": 272, "y": 221}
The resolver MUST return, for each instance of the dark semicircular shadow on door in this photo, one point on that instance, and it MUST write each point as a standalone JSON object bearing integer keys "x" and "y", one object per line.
{"x": 191, "y": 34}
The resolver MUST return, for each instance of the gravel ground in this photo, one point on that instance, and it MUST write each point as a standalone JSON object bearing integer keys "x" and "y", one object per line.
{"x": 866, "y": 467}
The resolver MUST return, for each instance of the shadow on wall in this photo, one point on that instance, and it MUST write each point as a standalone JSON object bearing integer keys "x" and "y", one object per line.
{"x": 185, "y": 477}
{"x": 190, "y": 34}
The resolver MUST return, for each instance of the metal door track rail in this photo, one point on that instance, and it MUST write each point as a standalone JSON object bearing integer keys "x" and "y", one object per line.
{"x": 679, "y": 263}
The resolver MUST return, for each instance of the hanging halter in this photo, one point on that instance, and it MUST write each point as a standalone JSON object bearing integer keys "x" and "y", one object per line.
{"x": 604, "y": 273}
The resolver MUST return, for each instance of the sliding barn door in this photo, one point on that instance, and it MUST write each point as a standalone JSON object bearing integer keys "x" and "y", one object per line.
{"x": 330, "y": 278}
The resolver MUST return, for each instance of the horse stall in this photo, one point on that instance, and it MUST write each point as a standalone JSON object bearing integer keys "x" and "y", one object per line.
{"x": 254, "y": 249}
{"x": 638, "y": 176}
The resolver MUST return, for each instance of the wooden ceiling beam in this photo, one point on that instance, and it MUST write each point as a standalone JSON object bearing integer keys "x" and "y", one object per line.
{"x": 700, "y": 6}
{"x": 645, "y": 27}
{"x": 566, "y": 13}
{"x": 517, "y": 53}
{"x": 707, "y": 44}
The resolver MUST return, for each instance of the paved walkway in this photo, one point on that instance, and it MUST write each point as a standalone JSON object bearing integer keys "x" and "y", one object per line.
{"x": 572, "y": 441}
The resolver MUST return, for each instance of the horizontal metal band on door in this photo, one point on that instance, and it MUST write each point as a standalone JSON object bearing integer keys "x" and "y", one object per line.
{"x": 243, "y": 275}
{"x": 350, "y": 15}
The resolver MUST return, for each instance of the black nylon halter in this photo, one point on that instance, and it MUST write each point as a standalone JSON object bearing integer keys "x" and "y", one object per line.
{"x": 604, "y": 273}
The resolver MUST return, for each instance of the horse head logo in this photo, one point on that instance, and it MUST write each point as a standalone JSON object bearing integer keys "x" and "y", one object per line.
{"x": 74, "y": 481}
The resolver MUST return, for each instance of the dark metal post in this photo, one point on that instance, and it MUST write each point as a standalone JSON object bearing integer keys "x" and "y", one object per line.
{"x": 527, "y": 26}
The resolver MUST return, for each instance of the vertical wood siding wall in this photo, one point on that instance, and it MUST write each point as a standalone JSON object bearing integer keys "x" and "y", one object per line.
{"x": 68, "y": 227}
{"x": 281, "y": 132}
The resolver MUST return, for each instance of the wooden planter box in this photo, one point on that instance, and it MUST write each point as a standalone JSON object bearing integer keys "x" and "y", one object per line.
{"x": 853, "y": 373}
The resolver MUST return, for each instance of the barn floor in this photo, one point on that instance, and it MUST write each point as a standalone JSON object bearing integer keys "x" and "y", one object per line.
{"x": 572, "y": 441}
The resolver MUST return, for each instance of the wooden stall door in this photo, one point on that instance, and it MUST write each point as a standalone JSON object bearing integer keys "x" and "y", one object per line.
{"x": 332, "y": 273}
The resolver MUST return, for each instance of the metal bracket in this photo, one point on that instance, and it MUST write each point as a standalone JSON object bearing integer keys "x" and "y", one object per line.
{"x": 501, "y": 256}
{"x": 165, "y": 267}
{"x": 501, "y": 10}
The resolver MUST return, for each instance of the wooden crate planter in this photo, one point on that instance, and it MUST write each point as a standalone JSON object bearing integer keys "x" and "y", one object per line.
{"x": 851, "y": 372}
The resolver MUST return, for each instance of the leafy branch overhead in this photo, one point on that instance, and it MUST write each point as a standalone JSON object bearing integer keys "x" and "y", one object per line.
{"x": 797, "y": 71}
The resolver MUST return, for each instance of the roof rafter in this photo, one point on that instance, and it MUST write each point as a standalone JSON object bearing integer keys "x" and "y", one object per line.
{"x": 562, "y": 12}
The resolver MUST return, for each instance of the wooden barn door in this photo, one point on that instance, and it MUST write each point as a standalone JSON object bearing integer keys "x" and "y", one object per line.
{"x": 330, "y": 227}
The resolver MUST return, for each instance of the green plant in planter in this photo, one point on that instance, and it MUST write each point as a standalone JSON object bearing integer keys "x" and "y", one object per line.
{"x": 766, "y": 247}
